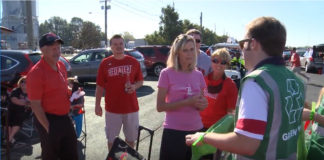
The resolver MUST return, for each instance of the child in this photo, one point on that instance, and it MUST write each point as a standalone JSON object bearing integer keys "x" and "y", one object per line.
{"x": 77, "y": 103}
{"x": 17, "y": 108}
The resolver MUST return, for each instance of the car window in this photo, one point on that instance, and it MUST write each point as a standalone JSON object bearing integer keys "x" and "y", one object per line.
{"x": 164, "y": 51}
{"x": 98, "y": 56}
{"x": 35, "y": 58}
{"x": 7, "y": 63}
{"x": 135, "y": 54}
{"x": 146, "y": 51}
{"x": 85, "y": 57}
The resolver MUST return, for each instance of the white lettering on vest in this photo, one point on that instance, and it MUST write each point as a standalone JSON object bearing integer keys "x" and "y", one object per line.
{"x": 290, "y": 134}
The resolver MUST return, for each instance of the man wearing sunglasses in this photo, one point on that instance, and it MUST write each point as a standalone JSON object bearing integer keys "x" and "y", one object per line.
{"x": 203, "y": 60}
{"x": 268, "y": 117}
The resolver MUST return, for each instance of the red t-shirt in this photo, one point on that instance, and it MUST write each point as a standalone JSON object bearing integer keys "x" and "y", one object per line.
{"x": 295, "y": 61}
{"x": 218, "y": 103}
{"x": 50, "y": 87}
{"x": 112, "y": 76}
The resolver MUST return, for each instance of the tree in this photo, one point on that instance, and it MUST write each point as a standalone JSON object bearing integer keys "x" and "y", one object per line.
{"x": 171, "y": 26}
{"x": 58, "y": 26}
{"x": 128, "y": 37}
{"x": 90, "y": 36}
{"x": 75, "y": 27}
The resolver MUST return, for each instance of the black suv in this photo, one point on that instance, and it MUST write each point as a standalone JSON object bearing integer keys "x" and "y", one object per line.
{"x": 155, "y": 57}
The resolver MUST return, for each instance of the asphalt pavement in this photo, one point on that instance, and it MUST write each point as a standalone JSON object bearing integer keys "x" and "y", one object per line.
{"x": 95, "y": 146}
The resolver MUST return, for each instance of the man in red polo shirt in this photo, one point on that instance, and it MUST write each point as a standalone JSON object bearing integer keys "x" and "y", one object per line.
{"x": 119, "y": 76}
{"x": 47, "y": 90}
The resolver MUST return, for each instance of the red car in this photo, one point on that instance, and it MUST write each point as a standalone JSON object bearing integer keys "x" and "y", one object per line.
{"x": 155, "y": 57}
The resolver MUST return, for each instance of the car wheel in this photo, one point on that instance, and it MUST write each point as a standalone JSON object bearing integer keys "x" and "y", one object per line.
{"x": 307, "y": 68}
{"x": 157, "y": 69}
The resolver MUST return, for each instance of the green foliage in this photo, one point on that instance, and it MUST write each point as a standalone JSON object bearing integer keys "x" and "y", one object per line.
{"x": 128, "y": 37}
{"x": 171, "y": 27}
{"x": 77, "y": 33}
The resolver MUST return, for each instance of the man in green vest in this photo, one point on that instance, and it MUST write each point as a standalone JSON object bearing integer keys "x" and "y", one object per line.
{"x": 269, "y": 114}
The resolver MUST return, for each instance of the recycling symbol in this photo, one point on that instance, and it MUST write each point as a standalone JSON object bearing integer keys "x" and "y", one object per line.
{"x": 293, "y": 107}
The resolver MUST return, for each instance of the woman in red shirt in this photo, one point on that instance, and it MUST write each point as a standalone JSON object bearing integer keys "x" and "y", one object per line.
{"x": 221, "y": 92}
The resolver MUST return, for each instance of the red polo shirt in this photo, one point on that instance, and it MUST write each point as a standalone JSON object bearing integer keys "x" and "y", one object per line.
{"x": 50, "y": 87}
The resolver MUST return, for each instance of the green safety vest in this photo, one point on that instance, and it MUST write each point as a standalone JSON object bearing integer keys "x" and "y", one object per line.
{"x": 285, "y": 107}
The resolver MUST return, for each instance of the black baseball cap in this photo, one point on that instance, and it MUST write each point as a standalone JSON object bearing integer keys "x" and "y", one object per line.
{"x": 49, "y": 39}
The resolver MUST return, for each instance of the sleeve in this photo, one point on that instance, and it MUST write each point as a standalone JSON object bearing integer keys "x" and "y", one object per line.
{"x": 253, "y": 111}
{"x": 202, "y": 81}
{"x": 14, "y": 93}
{"x": 34, "y": 85}
{"x": 138, "y": 74}
{"x": 163, "y": 79}
{"x": 101, "y": 74}
{"x": 232, "y": 94}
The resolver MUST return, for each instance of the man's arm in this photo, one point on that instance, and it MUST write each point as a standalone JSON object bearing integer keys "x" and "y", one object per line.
{"x": 40, "y": 114}
{"x": 99, "y": 93}
{"x": 231, "y": 142}
{"x": 133, "y": 87}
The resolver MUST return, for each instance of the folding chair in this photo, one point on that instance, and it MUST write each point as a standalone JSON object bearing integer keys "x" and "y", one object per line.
{"x": 83, "y": 134}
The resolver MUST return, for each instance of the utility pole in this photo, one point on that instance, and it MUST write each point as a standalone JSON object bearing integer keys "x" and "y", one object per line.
{"x": 201, "y": 29}
{"x": 106, "y": 9}
{"x": 30, "y": 26}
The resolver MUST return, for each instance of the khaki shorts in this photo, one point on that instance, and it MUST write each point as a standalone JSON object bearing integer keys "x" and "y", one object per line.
{"x": 129, "y": 121}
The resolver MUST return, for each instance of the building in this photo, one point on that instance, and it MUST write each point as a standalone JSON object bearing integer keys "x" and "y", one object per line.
{"x": 20, "y": 16}
{"x": 4, "y": 33}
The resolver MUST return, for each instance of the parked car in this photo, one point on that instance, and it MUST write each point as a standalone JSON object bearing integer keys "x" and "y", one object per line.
{"x": 204, "y": 47}
{"x": 230, "y": 46}
{"x": 286, "y": 55}
{"x": 17, "y": 63}
{"x": 85, "y": 65}
{"x": 313, "y": 59}
{"x": 155, "y": 57}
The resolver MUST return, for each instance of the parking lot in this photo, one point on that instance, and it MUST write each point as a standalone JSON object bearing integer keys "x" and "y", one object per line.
{"x": 96, "y": 147}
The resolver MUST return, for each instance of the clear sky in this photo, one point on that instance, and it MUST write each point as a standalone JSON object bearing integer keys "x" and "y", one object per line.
{"x": 304, "y": 20}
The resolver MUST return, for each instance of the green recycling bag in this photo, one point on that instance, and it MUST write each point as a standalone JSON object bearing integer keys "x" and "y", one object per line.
{"x": 301, "y": 147}
{"x": 224, "y": 125}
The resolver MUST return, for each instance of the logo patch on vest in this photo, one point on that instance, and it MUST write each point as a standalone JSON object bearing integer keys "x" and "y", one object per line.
{"x": 293, "y": 108}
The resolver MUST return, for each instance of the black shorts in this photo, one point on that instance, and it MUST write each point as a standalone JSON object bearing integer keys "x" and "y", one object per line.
{"x": 16, "y": 118}
{"x": 173, "y": 145}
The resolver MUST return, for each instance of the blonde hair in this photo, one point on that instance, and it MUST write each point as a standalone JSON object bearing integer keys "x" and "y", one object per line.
{"x": 177, "y": 45}
{"x": 21, "y": 79}
{"x": 223, "y": 54}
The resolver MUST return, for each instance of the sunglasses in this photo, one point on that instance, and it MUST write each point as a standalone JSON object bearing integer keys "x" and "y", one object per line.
{"x": 197, "y": 40}
{"x": 241, "y": 42}
{"x": 216, "y": 61}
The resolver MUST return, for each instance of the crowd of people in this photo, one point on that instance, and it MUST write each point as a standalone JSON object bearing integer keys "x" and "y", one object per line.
{"x": 193, "y": 91}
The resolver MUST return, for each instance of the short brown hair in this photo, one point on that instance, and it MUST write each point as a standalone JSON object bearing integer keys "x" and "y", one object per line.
{"x": 116, "y": 36}
{"x": 270, "y": 33}
{"x": 193, "y": 31}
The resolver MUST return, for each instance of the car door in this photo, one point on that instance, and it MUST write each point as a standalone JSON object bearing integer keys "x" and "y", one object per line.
{"x": 94, "y": 63}
{"x": 80, "y": 65}
{"x": 8, "y": 68}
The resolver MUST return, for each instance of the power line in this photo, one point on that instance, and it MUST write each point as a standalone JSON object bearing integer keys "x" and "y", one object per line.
{"x": 141, "y": 14}
{"x": 136, "y": 9}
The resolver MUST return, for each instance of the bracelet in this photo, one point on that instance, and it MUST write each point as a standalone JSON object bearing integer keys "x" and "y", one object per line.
{"x": 312, "y": 113}
{"x": 203, "y": 138}
{"x": 200, "y": 139}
